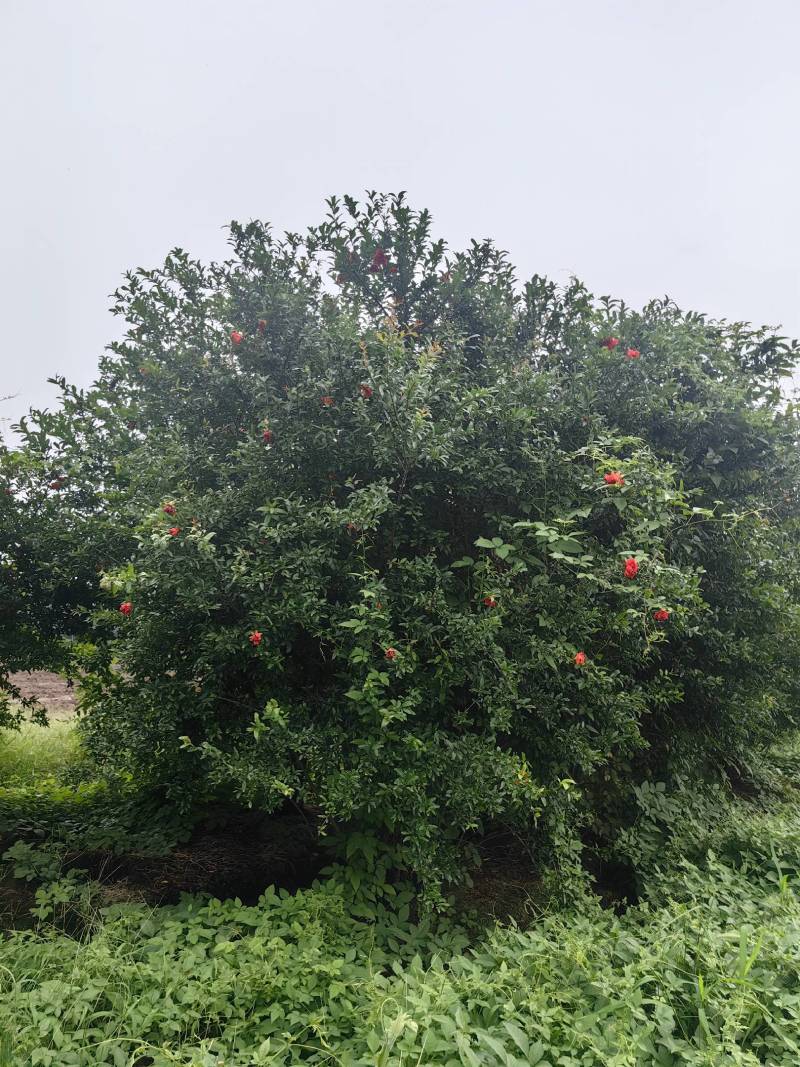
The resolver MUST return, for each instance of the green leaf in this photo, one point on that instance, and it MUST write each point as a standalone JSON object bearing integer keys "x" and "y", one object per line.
{"x": 483, "y": 542}
{"x": 518, "y": 1036}
{"x": 568, "y": 545}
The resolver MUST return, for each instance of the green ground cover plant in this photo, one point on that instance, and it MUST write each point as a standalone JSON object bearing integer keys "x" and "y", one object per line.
{"x": 705, "y": 971}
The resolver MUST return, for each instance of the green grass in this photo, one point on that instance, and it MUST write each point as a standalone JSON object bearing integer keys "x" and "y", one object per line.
{"x": 34, "y": 753}
{"x": 51, "y": 794}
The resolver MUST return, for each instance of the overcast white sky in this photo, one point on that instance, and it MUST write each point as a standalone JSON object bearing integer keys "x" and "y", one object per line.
{"x": 648, "y": 147}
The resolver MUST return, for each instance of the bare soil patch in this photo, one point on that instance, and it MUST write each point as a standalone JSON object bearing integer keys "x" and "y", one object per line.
{"x": 50, "y": 690}
{"x": 507, "y": 886}
{"x": 16, "y": 900}
{"x": 239, "y": 860}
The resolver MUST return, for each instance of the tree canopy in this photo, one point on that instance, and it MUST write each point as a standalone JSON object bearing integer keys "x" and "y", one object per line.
{"x": 356, "y": 522}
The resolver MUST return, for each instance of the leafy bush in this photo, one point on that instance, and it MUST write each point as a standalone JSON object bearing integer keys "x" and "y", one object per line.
{"x": 363, "y": 510}
{"x": 91, "y": 815}
{"x": 679, "y": 825}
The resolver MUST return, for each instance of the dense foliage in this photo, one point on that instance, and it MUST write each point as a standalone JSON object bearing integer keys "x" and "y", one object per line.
{"x": 705, "y": 972}
{"x": 353, "y": 522}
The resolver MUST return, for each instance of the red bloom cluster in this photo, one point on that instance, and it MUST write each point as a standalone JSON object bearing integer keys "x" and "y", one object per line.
{"x": 391, "y": 653}
{"x": 255, "y": 638}
{"x": 267, "y": 436}
{"x": 613, "y": 478}
{"x": 126, "y": 608}
{"x": 580, "y": 659}
{"x": 631, "y": 568}
{"x": 489, "y": 602}
{"x": 237, "y": 337}
{"x": 327, "y": 401}
{"x": 611, "y": 343}
{"x": 174, "y": 531}
{"x": 379, "y": 260}
{"x": 169, "y": 509}
{"x": 662, "y": 615}
{"x": 366, "y": 390}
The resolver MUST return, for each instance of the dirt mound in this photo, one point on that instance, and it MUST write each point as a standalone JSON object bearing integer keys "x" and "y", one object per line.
{"x": 239, "y": 860}
{"x": 49, "y": 689}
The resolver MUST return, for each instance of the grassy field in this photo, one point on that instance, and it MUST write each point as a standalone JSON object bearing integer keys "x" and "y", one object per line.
{"x": 36, "y": 752}
{"x": 704, "y": 970}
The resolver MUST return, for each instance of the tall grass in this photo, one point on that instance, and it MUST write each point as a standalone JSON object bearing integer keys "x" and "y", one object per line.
{"x": 33, "y": 752}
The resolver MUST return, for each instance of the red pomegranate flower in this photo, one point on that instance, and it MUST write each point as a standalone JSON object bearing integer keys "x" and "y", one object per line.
{"x": 262, "y": 326}
{"x": 379, "y": 260}
{"x": 366, "y": 390}
{"x": 267, "y": 436}
{"x": 662, "y": 615}
{"x": 631, "y": 568}
{"x": 126, "y": 608}
{"x": 489, "y": 602}
{"x": 255, "y": 638}
{"x": 633, "y": 353}
{"x": 327, "y": 401}
{"x": 169, "y": 509}
{"x": 610, "y": 343}
{"x": 236, "y": 337}
{"x": 613, "y": 478}
{"x": 174, "y": 531}
{"x": 391, "y": 653}
{"x": 580, "y": 659}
